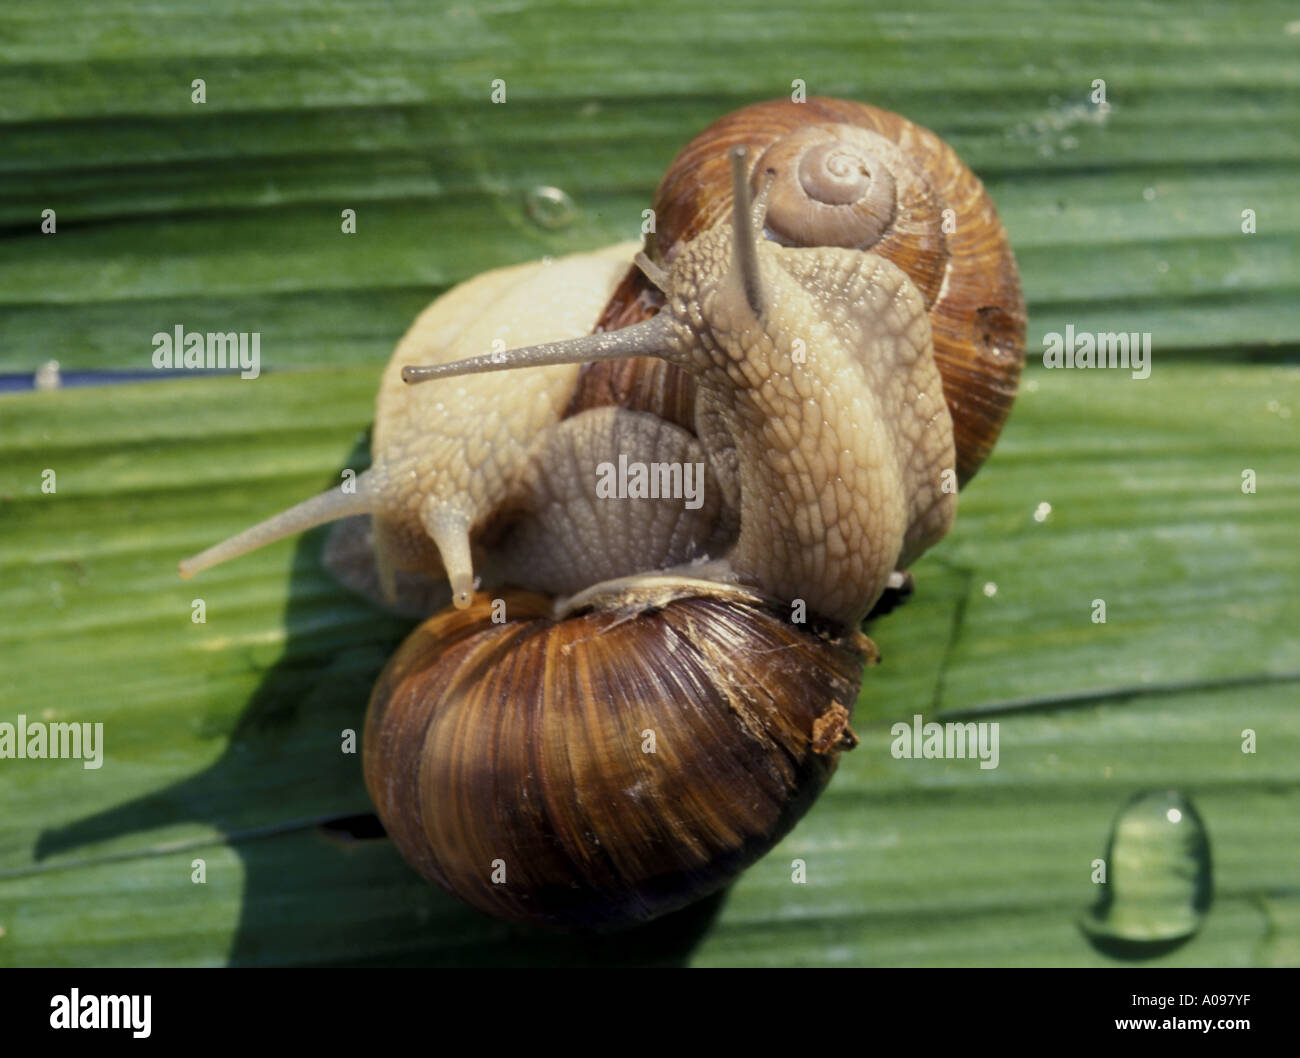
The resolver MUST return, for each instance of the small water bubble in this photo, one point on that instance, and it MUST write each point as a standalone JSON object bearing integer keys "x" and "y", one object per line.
{"x": 550, "y": 208}
{"x": 1158, "y": 878}
{"x": 990, "y": 589}
{"x": 1149, "y": 194}
{"x": 1042, "y": 511}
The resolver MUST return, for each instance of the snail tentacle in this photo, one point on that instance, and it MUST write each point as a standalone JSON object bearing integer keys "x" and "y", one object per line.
{"x": 651, "y": 271}
{"x": 654, "y": 337}
{"x": 744, "y": 241}
{"x": 342, "y": 501}
{"x": 449, "y": 530}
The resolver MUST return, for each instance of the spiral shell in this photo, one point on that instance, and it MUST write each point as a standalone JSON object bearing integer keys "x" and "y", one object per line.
{"x": 847, "y": 174}
{"x": 610, "y": 767}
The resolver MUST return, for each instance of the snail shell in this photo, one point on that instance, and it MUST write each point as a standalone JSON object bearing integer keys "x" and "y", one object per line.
{"x": 636, "y": 765}
{"x": 851, "y": 175}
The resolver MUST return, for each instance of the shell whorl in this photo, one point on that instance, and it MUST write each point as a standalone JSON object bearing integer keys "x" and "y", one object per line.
{"x": 832, "y": 187}
{"x": 961, "y": 261}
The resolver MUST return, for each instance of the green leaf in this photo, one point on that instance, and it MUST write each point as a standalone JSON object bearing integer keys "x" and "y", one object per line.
{"x": 222, "y": 739}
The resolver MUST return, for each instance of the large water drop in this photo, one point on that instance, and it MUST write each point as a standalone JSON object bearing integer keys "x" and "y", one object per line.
{"x": 1158, "y": 877}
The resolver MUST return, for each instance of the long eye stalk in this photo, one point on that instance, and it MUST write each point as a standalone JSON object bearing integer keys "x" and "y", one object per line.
{"x": 327, "y": 507}
{"x": 744, "y": 239}
{"x": 650, "y": 338}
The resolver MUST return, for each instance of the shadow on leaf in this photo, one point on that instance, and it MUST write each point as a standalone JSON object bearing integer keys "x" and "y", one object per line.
{"x": 331, "y": 890}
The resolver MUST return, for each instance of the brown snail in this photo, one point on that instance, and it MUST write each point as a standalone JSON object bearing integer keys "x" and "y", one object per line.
{"x": 828, "y": 324}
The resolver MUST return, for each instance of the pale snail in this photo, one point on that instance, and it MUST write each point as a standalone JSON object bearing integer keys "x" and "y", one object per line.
{"x": 644, "y": 696}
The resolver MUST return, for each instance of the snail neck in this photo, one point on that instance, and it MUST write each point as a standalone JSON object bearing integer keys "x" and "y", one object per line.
{"x": 838, "y": 427}
{"x": 822, "y": 516}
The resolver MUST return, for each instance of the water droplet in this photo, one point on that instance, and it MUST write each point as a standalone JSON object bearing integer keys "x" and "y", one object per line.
{"x": 990, "y": 589}
{"x": 1149, "y": 194}
{"x": 550, "y": 208}
{"x": 1158, "y": 878}
{"x": 1042, "y": 511}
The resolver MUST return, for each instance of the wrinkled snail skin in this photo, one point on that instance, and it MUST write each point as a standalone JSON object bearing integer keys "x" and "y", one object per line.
{"x": 644, "y": 695}
{"x": 838, "y": 477}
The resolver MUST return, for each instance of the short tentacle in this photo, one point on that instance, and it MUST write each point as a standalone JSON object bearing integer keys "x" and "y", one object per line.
{"x": 450, "y": 533}
{"x": 651, "y": 271}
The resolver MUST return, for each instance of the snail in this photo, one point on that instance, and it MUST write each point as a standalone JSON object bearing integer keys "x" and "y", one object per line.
{"x": 646, "y": 693}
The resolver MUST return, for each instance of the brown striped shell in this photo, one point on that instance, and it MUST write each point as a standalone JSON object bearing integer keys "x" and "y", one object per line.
{"x": 512, "y": 763}
{"x": 852, "y": 175}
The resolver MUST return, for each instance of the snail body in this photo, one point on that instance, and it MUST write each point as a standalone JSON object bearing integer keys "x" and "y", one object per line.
{"x": 825, "y": 390}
